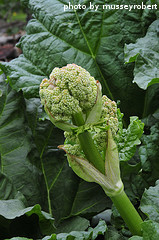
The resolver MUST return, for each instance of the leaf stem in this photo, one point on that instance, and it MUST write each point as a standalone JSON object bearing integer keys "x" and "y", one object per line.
{"x": 88, "y": 146}
{"x": 121, "y": 201}
{"x": 128, "y": 213}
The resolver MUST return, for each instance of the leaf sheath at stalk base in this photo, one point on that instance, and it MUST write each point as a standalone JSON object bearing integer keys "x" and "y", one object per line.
{"x": 89, "y": 173}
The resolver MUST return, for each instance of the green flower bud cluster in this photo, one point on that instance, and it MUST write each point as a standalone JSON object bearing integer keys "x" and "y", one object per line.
{"x": 60, "y": 104}
{"x": 109, "y": 114}
{"x": 72, "y": 144}
{"x": 69, "y": 90}
{"x": 110, "y": 119}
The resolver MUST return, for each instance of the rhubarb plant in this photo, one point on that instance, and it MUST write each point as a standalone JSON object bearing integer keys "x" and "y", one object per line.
{"x": 73, "y": 100}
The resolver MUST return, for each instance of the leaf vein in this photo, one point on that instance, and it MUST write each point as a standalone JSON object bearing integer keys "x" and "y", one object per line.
{"x": 56, "y": 177}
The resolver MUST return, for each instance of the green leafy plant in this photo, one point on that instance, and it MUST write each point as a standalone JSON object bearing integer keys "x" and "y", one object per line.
{"x": 73, "y": 101}
{"x": 146, "y": 70}
{"x": 34, "y": 173}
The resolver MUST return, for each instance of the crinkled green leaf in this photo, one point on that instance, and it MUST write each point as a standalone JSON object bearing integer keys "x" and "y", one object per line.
{"x": 91, "y": 39}
{"x": 149, "y": 202}
{"x": 113, "y": 234}
{"x": 145, "y": 53}
{"x": 80, "y": 235}
{"x": 149, "y": 154}
{"x": 150, "y": 231}
{"x": 100, "y": 229}
{"x": 11, "y": 209}
{"x": 128, "y": 139}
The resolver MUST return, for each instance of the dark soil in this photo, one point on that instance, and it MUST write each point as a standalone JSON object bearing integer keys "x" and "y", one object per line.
{"x": 10, "y": 33}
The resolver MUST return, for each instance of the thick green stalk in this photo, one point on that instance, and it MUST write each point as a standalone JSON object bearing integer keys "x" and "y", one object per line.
{"x": 128, "y": 213}
{"x": 88, "y": 146}
{"x": 121, "y": 201}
